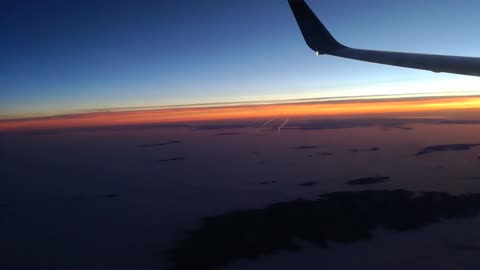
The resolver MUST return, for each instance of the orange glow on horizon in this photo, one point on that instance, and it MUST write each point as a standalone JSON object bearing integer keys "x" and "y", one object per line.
{"x": 343, "y": 108}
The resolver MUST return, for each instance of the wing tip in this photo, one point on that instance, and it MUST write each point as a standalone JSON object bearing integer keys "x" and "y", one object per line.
{"x": 314, "y": 32}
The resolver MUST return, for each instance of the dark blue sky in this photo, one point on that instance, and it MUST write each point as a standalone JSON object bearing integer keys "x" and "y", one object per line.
{"x": 61, "y": 56}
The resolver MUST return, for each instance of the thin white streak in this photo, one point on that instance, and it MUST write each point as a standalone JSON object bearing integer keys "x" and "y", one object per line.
{"x": 268, "y": 122}
{"x": 281, "y": 126}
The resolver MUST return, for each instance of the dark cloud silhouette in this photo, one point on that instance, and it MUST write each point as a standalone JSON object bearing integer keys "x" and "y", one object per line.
{"x": 446, "y": 147}
{"x": 373, "y": 149}
{"x": 171, "y": 159}
{"x": 268, "y": 182}
{"x": 307, "y": 147}
{"x": 330, "y": 124}
{"x": 308, "y": 184}
{"x": 368, "y": 180}
{"x": 404, "y": 128}
{"x": 228, "y": 134}
{"x": 384, "y": 123}
{"x": 160, "y": 144}
{"x": 343, "y": 217}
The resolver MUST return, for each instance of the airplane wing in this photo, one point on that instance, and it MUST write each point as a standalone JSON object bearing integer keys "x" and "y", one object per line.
{"x": 321, "y": 41}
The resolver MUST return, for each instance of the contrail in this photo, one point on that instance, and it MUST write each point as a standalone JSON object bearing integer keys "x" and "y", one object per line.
{"x": 268, "y": 122}
{"x": 281, "y": 126}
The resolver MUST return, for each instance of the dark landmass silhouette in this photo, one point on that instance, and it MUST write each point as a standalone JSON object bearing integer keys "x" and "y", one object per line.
{"x": 160, "y": 144}
{"x": 368, "y": 180}
{"x": 228, "y": 134}
{"x": 373, "y": 149}
{"x": 171, "y": 159}
{"x": 307, "y": 147}
{"x": 446, "y": 147}
{"x": 343, "y": 217}
{"x": 268, "y": 182}
{"x": 326, "y": 154}
{"x": 308, "y": 184}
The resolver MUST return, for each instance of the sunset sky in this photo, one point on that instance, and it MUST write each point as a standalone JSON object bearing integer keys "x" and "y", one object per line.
{"x": 62, "y": 57}
{"x": 348, "y": 108}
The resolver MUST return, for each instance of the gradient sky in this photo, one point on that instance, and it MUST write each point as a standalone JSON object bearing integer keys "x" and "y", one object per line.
{"x": 64, "y": 56}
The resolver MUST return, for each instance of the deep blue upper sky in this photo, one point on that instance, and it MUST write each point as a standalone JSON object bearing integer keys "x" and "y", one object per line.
{"x": 59, "y": 56}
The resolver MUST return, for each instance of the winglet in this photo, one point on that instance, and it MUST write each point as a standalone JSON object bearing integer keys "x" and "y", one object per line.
{"x": 314, "y": 32}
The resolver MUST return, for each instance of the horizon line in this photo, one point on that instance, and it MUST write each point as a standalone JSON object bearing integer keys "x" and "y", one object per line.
{"x": 34, "y": 116}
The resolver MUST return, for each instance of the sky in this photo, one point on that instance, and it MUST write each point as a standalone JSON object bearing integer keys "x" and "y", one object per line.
{"x": 256, "y": 114}
{"x": 69, "y": 56}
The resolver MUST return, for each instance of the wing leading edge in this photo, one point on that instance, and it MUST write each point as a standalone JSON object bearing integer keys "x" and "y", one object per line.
{"x": 321, "y": 41}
